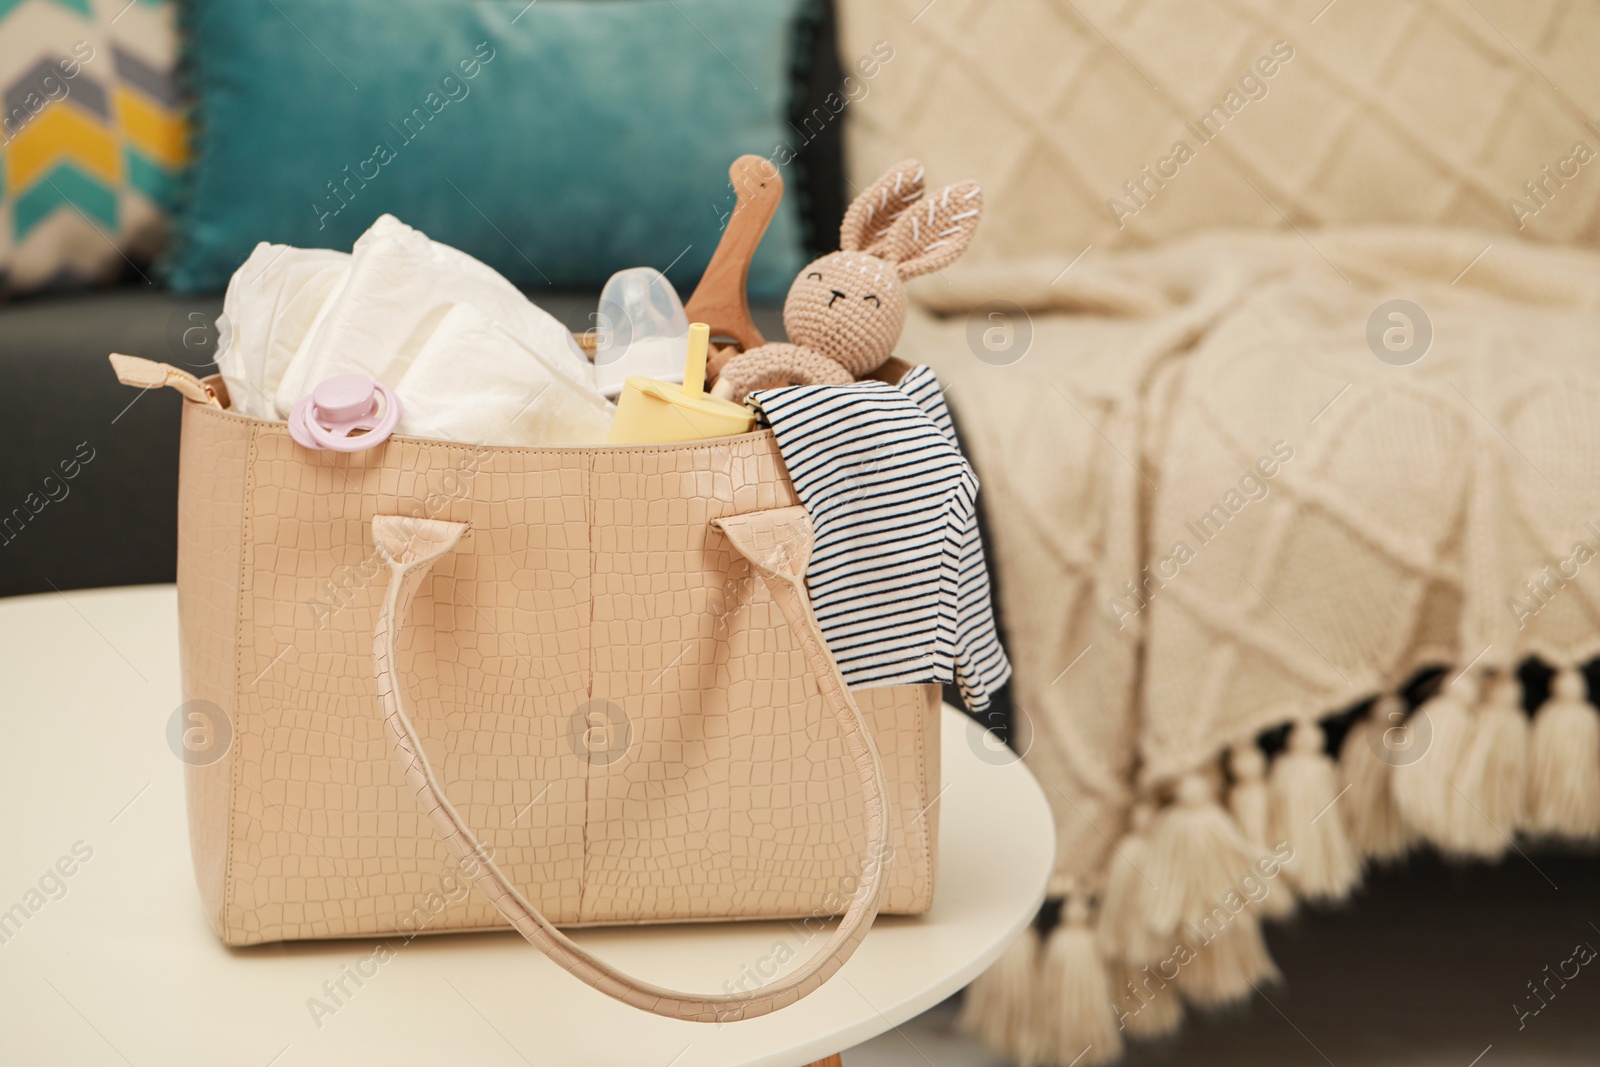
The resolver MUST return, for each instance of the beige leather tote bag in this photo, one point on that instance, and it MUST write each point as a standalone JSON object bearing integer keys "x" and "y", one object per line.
{"x": 586, "y": 681}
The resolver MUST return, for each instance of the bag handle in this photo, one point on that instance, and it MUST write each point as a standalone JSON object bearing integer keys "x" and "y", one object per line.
{"x": 777, "y": 543}
{"x": 148, "y": 374}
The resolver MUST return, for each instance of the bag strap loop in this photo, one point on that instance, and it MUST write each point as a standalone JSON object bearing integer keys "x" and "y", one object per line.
{"x": 148, "y": 374}
{"x": 777, "y": 543}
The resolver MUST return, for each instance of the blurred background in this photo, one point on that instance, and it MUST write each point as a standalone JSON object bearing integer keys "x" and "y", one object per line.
{"x": 148, "y": 145}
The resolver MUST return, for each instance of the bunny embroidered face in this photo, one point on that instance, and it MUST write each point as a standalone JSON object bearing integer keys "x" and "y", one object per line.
{"x": 848, "y": 306}
{"x": 845, "y": 311}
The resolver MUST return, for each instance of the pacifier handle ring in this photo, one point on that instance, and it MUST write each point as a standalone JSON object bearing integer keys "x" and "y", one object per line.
{"x": 338, "y": 438}
{"x": 378, "y": 428}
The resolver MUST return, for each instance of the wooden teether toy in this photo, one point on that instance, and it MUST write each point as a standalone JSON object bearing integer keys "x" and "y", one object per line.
{"x": 721, "y": 299}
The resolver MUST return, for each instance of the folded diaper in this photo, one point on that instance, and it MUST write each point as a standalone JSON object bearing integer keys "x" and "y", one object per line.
{"x": 503, "y": 393}
{"x": 273, "y": 301}
{"x": 470, "y": 357}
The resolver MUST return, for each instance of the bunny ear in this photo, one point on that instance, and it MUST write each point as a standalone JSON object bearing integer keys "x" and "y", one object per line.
{"x": 867, "y": 223}
{"x": 935, "y": 231}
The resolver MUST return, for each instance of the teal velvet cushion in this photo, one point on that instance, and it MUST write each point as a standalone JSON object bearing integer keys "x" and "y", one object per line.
{"x": 558, "y": 141}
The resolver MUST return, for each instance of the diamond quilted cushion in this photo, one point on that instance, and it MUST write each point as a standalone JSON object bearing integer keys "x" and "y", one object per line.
{"x": 1113, "y": 123}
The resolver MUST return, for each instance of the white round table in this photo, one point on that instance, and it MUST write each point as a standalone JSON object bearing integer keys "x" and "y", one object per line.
{"x": 114, "y": 963}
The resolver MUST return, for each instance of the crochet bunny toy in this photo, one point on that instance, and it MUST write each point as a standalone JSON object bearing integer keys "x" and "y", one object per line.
{"x": 845, "y": 311}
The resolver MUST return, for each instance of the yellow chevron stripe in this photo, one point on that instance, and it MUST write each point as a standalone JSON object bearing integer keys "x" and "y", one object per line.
{"x": 161, "y": 135}
{"x": 62, "y": 131}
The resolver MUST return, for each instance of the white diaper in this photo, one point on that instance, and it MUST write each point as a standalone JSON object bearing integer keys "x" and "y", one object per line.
{"x": 472, "y": 359}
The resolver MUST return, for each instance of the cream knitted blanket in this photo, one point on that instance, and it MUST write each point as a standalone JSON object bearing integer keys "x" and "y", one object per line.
{"x": 1248, "y": 480}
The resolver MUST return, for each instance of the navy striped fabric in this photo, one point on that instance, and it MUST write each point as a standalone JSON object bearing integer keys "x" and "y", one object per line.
{"x": 897, "y": 577}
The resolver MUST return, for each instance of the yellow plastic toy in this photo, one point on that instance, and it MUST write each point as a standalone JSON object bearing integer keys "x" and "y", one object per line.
{"x": 651, "y": 412}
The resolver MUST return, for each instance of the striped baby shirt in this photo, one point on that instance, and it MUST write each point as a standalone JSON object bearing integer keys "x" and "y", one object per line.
{"x": 897, "y": 576}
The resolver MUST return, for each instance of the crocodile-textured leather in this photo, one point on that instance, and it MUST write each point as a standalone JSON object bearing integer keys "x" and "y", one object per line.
{"x": 778, "y": 543}
{"x": 591, "y": 601}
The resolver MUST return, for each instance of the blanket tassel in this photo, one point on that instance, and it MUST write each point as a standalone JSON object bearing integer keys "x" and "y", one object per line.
{"x": 1564, "y": 763}
{"x": 1248, "y": 802}
{"x": 1324, "y": 865}
{"x": 1422, "y": 788}
{"x": 997, "y": 1007}
{"x": 1148, "y": 1006}
{"x": 1489, "y": 794}
{"x": 1122, "y": 928}
{"x": 1228, "y": 967}
{"x": 1373, "y": 822}
{"x": 1075, "y": 1018}
{"x": 1197, "y": 857}
{"x": 1201, "y": 865}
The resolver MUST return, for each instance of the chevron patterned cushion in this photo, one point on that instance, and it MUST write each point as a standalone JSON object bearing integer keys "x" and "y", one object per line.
{"x": 91, "y": 138}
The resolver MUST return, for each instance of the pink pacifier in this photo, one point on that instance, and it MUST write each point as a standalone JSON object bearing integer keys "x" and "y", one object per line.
{"x": 335, "y": 410}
